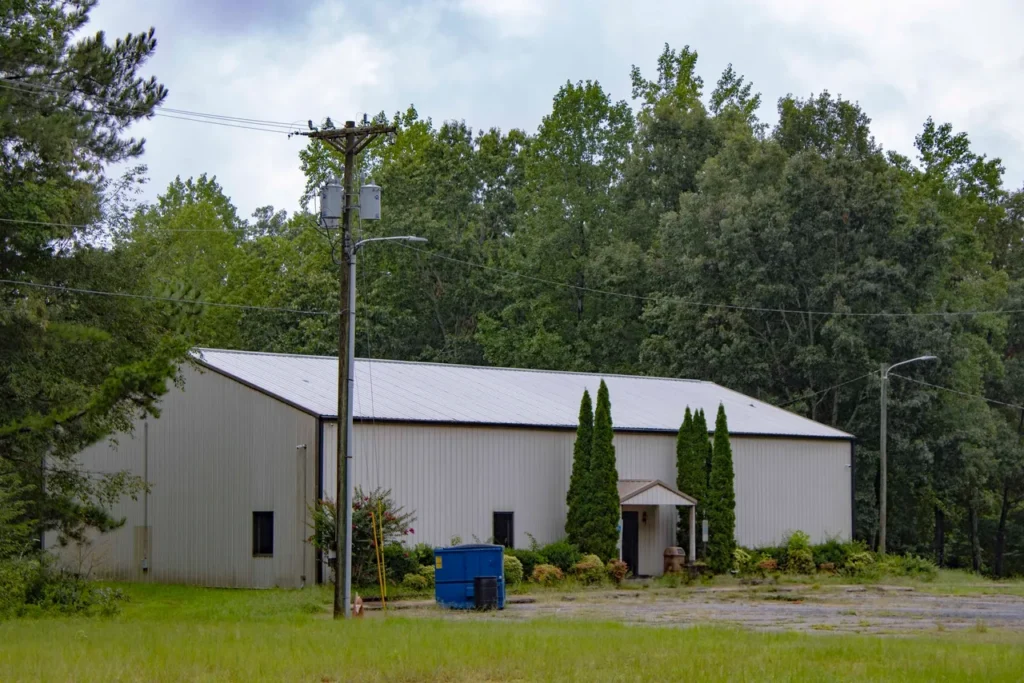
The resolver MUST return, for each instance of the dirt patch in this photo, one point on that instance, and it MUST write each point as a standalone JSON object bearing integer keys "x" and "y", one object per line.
{"x": 876, "y": 609}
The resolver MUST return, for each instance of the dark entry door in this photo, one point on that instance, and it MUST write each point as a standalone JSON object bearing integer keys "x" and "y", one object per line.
{"x": 631, "y": 540}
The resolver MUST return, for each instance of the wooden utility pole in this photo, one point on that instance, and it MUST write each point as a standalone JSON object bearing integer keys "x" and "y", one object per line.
{"x": 349, "y": 141}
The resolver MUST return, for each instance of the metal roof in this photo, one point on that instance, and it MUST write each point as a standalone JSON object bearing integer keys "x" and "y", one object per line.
{"x": 433, "y": 392}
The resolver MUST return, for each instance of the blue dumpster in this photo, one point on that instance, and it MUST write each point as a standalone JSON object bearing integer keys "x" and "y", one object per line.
{"x": 456, "y": 570}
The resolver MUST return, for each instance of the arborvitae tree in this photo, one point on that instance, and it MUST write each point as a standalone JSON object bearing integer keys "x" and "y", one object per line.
{"x": 576, "y": 498}
{"x": 601, "y": 533}
{"x": 684, "y": 479}
{"x": 721, "y": 507}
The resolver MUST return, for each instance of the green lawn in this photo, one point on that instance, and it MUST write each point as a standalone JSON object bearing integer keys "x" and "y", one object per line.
{"x": 174, "y": 633}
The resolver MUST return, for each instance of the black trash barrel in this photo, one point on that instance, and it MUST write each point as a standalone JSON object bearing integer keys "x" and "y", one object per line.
{"x": 485, "y": 592}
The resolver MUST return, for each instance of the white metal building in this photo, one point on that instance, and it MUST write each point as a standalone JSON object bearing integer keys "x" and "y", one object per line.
{"x": 238, "y": 455}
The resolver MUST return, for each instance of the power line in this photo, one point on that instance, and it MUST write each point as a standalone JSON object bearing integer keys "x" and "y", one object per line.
{"x": 90, "y": 227}
{"x": 834, "y": 386}
{"x": 705, "y": 304}
{"x": 180, "y": 114}
{"x": 147, "y": 297}
{"x": 955, "y": 391}
{"x": 40, "y": 88}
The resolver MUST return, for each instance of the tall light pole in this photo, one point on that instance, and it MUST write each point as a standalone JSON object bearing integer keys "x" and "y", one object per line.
{"x": 883, "y": 502}
{"x": 350, "y": 361}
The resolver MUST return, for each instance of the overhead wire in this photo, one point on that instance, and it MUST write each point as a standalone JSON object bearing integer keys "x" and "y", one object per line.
{"x": 706, "y": 304}
{"x": 90, "y": 227}
{"x": 115, "y": 109}
{"x": 956, "y": 391}
{"x": 168, "y": 299}
{"x": 826, "y": 390}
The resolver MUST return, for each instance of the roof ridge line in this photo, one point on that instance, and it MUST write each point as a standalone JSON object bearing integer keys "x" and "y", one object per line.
{"x": 456, "y": 365}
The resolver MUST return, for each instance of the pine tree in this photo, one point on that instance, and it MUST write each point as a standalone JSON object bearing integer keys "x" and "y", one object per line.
{"x": 601, "y": 533}
{"x": 721, "y": 507}
{"x": 578, "y": 482}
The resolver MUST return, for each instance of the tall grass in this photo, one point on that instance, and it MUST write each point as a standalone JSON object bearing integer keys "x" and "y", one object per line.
{"x": 175, "y": 633}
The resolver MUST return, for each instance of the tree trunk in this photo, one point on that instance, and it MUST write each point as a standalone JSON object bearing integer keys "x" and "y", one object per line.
{"x": 940, "y": 537}
{"x": 1004, "y": 511}
{"x": 975, "y": 545}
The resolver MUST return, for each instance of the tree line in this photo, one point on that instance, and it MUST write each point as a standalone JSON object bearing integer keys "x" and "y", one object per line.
{"x": 677, "y": 235}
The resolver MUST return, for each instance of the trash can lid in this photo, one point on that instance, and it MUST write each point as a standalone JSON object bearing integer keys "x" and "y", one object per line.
{"x": 469, "y": 546}
{"x": 673, "y": 551}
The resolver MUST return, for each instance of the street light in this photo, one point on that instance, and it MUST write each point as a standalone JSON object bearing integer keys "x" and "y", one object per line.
{"x": 883, "y": 485}
{"x": 351, "y": 360}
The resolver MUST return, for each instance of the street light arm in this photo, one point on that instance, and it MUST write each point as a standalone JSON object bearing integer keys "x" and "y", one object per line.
{"x": 905, "y": 362}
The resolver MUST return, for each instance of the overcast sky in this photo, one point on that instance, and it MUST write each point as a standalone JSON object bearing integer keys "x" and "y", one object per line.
{"x": 499, "y": 62}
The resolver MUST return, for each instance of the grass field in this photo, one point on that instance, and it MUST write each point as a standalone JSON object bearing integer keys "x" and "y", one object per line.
{"x": 169, "y": 633}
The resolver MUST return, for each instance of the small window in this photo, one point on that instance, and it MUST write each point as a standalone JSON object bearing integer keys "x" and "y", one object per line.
{"x": 263, "y": 534}
{"x": 503, "y": 531}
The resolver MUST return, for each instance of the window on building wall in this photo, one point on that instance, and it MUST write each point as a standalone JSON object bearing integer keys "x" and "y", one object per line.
{"x": 504, "y": 534}
{"x": 263, "y": 534}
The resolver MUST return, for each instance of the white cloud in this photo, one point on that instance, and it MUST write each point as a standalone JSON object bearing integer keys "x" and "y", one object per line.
{"x": 499, "y": 62}
{"x": 955, "y": 61}
{"x": 509, "y": 17}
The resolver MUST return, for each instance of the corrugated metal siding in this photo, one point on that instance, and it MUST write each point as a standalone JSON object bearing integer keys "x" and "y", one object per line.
{"x": 455, "y": 477}
{"x": 787, "y": 485}
{"x": 219, "y": 452}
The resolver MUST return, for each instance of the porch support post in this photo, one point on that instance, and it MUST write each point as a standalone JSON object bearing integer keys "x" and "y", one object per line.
{"x": 693, "y": 534}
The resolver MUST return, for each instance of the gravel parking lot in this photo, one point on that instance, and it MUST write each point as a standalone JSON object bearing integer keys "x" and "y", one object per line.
{"x": 842, "y": 609}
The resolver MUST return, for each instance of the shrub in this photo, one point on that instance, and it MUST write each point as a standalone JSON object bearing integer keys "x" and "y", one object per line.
{"x": 908, "y": 565}
{"x": 513, "y": 570}
{"x": 589, "y": 570}
{"x": 428, "y": 574}
{"x": 546, "y": 574}
{"x": 415, "y": 582}
{"x": 767, "y": 564}
{"x": 800, "y": 561}
{"x": 395, "y": 521}
{"x": 398, "y": 561}
{"x": 562, "y": 554}
{"x": 19, "y": 579}
{"x": 860, "y": 564}
{"x": 26, "y": 583}
{"x": 778, "y": 553}
{"x": 798, "y": 540}
{"x": 424, "y": 554}
{"x": 617, "y": 570}
{"x": 528, "y": 558}
{"x": 744, "y": 562}
{"x": 827, "y": 567}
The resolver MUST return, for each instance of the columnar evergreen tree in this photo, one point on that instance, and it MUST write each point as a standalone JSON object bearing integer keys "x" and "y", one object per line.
{"x": 687, "y": 478}
{"x": 601, "y": 532}
{"x": 721, "y": 507}
{"x": 576, "y": 497}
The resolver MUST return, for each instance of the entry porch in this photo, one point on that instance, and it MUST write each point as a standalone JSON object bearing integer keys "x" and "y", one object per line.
{"x": 648, "y": 524}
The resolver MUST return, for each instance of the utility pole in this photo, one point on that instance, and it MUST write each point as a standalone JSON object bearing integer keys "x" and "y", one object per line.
{"x": 349, "y": 141}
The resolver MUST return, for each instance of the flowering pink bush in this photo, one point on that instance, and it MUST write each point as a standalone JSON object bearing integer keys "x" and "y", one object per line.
{"x": 395, "y": 521}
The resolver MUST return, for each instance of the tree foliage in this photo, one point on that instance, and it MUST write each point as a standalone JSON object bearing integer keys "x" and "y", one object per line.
{"x": 721, "y": 499}
{"x": 579, "y": 480}
{"x": 692, "y": 469}
{"x": 73, "y": 367}
{"x": 600, "y": 527}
